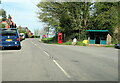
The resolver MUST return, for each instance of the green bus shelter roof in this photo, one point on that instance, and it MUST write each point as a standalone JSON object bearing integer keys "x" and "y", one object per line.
{"x": 97, "y": 30}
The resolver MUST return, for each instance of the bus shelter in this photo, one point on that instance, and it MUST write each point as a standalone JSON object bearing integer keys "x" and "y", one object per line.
{"x": 99, "y": 37}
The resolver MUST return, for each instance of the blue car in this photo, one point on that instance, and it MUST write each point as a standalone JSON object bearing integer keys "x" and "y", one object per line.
{"x": 117, "y": 46}
{"x": 9, "y": 38}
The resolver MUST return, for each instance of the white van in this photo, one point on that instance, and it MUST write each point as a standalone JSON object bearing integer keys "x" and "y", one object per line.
{"x": 22, "y": 36}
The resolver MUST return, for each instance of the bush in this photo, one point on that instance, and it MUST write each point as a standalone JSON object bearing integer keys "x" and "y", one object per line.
{"x": 80, "y": 43}
{"x": 2, "y": 26}
{"x": 32, "y": 37}
{"x": 36, "y": 36}
{"x": 47, "y": 40}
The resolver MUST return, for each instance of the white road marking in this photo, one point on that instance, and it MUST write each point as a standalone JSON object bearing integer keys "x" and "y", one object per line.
{"x": 56, "y": 63}
{"x": 117, "y": 49}
{"x": 62, "y": 69}
{"x": 46, "y": 53}
{"x": 10, "y": 51}
{"x": 35, "y": 44}
{"x": 40, "y": 48}
{"x": 32, "y": 42}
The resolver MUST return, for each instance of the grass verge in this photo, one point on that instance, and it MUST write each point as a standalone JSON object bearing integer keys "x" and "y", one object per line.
{"x": 79, "y": 43}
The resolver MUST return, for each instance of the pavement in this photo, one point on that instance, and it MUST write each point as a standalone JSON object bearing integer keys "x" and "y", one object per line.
{"x": 45, "y": 62}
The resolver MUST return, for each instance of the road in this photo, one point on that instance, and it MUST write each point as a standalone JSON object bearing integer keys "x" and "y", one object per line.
{"x": 44, "y": 62}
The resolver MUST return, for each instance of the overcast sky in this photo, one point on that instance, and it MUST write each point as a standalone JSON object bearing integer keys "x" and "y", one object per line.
{"x": 23, "y": 12}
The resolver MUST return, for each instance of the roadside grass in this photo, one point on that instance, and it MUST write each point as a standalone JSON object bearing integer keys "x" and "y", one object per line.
{"x": 48, "y": 41}
{"x": 79, "y": 43}
{"x": 51, "y": 41}
{"x": 66, "y": 43}
{"x": 112, "y": 46}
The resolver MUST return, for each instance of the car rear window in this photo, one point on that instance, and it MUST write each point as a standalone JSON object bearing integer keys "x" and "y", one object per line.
{"x": 9, "y": 32}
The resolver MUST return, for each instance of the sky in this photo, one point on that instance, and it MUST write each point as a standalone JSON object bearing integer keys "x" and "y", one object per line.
{"x": 23, "y": 12}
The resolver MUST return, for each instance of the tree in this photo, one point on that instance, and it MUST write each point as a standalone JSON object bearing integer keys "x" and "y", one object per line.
{"x": 2, "y": 26}
{"x": 3, "y": 14}
{"x": 66, "y": 17}
{"x": 74, "y": 18}
{"x": 9, "y": 16}
{"x": 21, "y": 30}
{"x": 36, "y": 32}
{"x": 105, "y": 17}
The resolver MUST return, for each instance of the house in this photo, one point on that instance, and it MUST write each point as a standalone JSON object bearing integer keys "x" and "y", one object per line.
{"x": 26, "y": 30}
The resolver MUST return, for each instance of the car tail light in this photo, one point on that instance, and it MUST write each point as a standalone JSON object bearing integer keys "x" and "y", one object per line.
{"x": 18, "y": 39}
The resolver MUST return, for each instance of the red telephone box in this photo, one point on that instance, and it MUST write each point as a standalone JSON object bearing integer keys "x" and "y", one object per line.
{"x": 59, "y": 38}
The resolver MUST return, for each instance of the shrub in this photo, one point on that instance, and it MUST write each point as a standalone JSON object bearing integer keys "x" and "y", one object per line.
{"x": 81, "y": 43}
{"x": 47, "y": 40}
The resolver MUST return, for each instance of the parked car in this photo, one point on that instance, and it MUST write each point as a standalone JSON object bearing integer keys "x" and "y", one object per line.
{"x": 117, "y": 46}
{"x": 9, "y": 38}
{"x": 22, "y": 36}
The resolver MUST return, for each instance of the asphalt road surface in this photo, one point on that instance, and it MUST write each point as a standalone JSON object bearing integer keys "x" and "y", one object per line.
{"x": 44, "y": 62}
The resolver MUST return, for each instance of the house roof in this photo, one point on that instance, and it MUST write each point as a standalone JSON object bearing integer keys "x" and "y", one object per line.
{"x": 97, "y": 30}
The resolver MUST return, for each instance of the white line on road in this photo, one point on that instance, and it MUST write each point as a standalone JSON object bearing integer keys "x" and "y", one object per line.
{"x": 56, "y": 63}
{"x": 32, "y": 42}
{"x": 62, "y": 69}
{"x": 40, "y": 48}
{"x": 46, "y": 53}
{"x": 10, "y": 51}
{"x": 35, "y": 44}
{"x": 117, "y": 49}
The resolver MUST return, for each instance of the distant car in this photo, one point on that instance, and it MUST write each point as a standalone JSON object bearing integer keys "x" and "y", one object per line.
{"x": 22, "y": 36}
{"x": 117, "y": 46}
{"x": 9, "y": 38}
